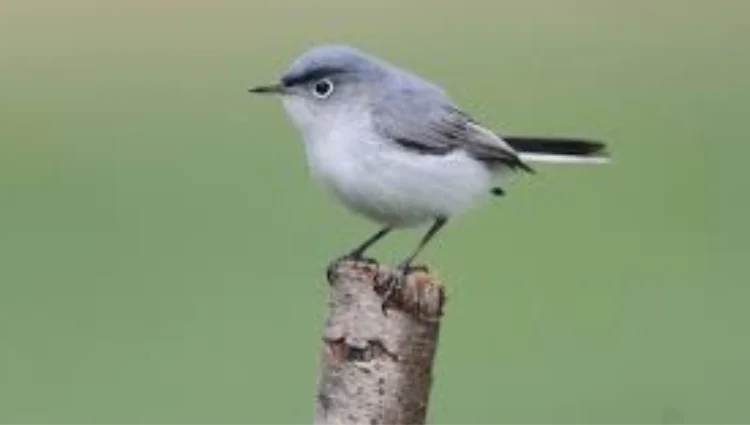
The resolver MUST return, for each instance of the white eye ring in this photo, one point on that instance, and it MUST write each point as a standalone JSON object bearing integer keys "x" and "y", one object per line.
{"x": 323, "y": 88}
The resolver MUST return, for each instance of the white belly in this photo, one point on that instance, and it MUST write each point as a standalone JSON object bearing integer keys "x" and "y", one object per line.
{"x": 394, "y": 186}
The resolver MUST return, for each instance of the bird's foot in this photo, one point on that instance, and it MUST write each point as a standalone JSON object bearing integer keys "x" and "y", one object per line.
{"x": 397, "y": 280}
{"x": 333, "y": 265}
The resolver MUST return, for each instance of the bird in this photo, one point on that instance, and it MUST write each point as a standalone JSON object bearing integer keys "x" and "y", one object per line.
{"x": 395, "y": 148}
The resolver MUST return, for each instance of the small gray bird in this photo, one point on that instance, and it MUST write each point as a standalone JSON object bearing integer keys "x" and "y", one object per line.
{"x": 395, "y": 148}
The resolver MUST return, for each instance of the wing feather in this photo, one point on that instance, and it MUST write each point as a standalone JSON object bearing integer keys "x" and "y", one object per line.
{"x": 427, "y": 123}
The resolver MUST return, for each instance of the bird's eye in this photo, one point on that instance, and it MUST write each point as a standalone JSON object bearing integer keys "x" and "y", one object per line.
{"x": 323, "y": 88}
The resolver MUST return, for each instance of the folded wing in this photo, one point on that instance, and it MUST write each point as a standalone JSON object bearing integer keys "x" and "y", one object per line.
{"x": 427, "y": 123}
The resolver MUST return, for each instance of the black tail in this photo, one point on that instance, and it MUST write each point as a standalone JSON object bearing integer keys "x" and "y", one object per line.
{"x": 557, "y": 146}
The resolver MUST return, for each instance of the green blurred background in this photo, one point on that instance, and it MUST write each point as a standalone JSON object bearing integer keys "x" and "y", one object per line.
{"x": 162, "y": 247}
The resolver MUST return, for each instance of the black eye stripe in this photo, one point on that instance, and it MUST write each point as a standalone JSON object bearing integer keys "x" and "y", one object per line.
{"x": 311, "y": 75}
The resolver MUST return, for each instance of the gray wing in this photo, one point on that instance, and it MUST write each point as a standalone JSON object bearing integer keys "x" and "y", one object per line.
{"x": 428, "y": 123}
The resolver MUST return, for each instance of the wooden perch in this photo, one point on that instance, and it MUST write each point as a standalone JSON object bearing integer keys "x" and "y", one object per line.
{"x": 376, "y": 367}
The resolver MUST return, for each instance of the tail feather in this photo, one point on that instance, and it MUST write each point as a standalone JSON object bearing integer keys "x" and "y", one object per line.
{"x": 558, "y": 149}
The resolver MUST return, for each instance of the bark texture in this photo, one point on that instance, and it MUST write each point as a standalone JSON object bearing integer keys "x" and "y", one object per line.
{"x": 376, "y": 367}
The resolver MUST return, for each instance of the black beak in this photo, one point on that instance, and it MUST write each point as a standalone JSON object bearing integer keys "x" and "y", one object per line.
{"x": 271, "y": 89}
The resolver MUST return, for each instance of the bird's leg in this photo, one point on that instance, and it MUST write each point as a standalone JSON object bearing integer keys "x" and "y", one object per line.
{"x": 357, "y": 253}
{"x": 405, "y": 267}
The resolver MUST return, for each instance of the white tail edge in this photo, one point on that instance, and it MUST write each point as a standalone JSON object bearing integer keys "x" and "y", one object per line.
{"x": 563, "y": 159}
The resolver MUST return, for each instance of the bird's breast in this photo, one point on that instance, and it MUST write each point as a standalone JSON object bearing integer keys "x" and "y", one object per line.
{"x": 340, "y": 160}
{"x": 391, "y": 185}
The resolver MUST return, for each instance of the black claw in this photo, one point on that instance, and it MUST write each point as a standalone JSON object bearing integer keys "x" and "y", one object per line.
{"x": 368, "y": 260}
{"x": 333, "y": 265}
{"x": 330, "y": 270}
{"x": 394, "y": 285}
{"x": 397, "y": 281}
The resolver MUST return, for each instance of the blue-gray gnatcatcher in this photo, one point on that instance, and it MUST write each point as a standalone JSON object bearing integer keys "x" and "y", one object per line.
{"x": 394, "y": 147}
